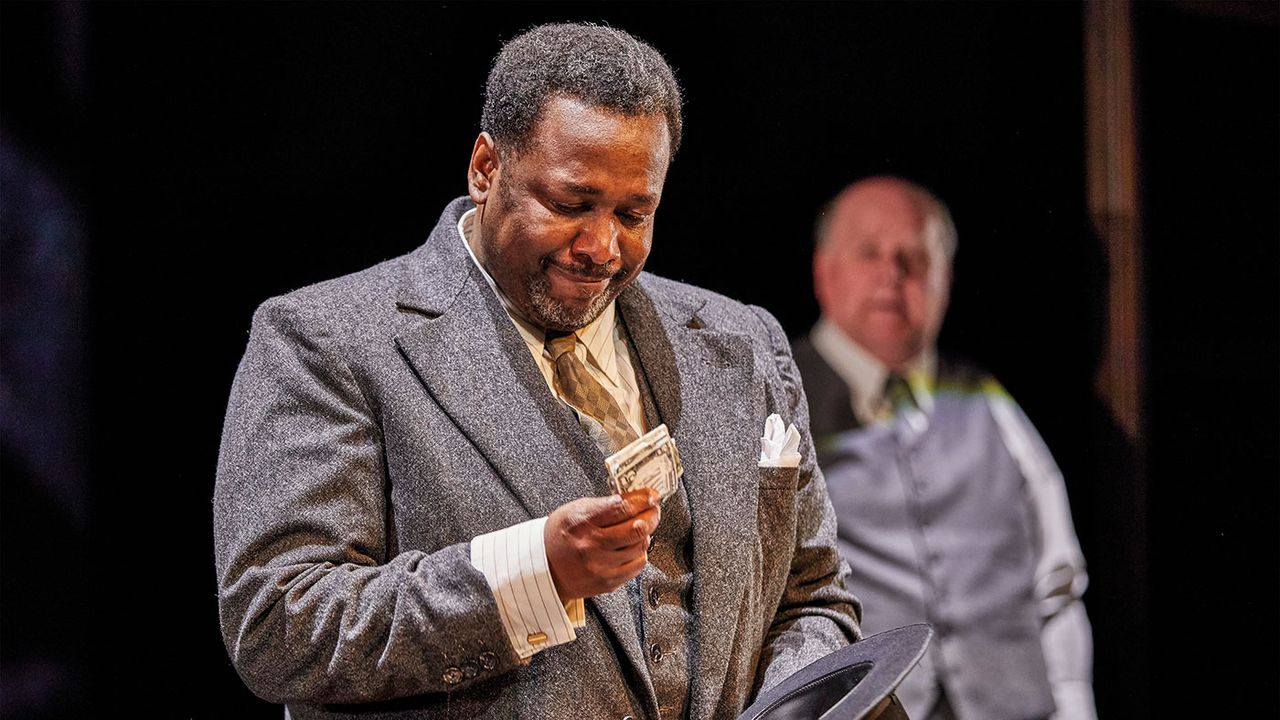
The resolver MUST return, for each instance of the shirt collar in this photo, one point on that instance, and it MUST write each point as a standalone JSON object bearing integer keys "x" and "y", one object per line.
{"x": 865, "y": 375}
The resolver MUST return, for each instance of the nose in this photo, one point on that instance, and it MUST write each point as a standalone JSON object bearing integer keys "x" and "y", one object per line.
{"x": 901, "y": 266}
{"x": 891, "y": 266}
{"x": 597, "y": 239}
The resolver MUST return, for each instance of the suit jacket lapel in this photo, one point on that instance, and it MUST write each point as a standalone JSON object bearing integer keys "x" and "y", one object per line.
{"x": 701, "y": 383}
{"x": 464, "y": 348}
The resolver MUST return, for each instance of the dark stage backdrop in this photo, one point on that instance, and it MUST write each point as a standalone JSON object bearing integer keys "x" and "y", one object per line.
{"x": 225, "y": 153}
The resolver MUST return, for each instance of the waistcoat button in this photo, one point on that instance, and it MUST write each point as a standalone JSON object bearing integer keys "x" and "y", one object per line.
{"x": 655, "y": 653}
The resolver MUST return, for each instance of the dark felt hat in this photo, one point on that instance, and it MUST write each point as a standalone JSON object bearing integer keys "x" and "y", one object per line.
{"x": 848, "y": 683}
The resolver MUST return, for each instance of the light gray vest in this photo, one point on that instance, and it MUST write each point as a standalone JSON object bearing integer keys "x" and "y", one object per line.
{"x": 965, "y": 562}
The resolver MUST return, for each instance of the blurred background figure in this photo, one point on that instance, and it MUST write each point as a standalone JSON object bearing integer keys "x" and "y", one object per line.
{"x": 49, "y": 602}
{"x": 951, "y": 509}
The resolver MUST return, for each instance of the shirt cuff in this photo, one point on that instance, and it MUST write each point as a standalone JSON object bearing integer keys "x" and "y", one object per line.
{"x": 1068, "y": 654}
{"x": 1074, "y": 701}
{"x": 514, "y": 561}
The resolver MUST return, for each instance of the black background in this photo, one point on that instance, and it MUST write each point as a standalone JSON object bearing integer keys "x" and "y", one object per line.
{"x": 223, "y": 153}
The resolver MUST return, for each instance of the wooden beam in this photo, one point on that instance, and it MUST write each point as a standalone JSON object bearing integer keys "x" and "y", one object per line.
{"x": 1112, "y": 178}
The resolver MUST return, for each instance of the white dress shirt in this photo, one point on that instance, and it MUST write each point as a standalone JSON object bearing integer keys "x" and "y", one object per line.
{"x": 514, "y": 559}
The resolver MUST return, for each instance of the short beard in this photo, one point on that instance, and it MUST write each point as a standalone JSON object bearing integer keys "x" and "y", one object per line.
{"x": 551, "y": 314}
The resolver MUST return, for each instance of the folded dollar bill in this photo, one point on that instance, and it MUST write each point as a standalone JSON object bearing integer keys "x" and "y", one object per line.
{"x": 649, "y": 461}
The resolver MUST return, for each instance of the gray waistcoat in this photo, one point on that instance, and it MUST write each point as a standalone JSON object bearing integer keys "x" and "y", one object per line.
{"x": 964, "y": 564}
{"x": 660, "y": 595}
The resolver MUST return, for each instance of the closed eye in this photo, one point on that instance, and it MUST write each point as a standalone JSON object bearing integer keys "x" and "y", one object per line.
{"x": 633, "y": 219}
{"x": 569, "y": 208}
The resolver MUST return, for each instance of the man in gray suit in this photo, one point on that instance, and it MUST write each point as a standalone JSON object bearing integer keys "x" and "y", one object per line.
{"x": 412, "y": 514}
{"x": 951, "y": 510}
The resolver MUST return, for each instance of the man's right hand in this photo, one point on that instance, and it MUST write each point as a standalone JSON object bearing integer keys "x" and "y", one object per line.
{"x": 594, "y": 545}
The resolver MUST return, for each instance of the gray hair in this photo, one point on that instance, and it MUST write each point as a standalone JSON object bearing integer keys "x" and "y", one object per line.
{"x": 599, "y": 65}
{"x": 937, "y": 216}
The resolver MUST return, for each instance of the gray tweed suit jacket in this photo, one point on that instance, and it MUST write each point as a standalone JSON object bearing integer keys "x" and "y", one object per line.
{"x": 381, "y": 420}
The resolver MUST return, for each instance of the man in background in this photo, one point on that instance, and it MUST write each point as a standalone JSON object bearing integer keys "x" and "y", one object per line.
{"x": 950, "y": 508}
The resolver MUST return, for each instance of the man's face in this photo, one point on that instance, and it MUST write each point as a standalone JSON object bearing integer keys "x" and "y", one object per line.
{"x": 879, "y": 276}
{"x": 567, "y": 223}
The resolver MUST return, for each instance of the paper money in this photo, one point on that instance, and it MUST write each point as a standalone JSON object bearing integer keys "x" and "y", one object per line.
{"x": 650, "y": 461}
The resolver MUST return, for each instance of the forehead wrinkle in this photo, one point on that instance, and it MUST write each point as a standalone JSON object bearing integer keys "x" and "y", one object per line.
{"x": 580, "y": 189}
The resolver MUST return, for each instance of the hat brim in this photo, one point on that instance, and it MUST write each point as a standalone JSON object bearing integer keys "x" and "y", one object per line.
{"x": 848, "y": 683}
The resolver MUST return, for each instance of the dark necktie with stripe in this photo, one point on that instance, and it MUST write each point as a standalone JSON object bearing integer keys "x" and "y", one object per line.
{"x": 897, "y": 394}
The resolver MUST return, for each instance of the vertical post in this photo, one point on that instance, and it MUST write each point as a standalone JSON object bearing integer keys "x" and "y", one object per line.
{"x": 1119, "y": 503}
{"x": 1112, "y": 178}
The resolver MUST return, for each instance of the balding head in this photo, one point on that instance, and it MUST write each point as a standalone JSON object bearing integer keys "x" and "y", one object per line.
{"x": 882, "y": 266}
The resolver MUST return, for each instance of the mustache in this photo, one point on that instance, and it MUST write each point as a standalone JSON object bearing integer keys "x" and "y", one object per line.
{"x": 588, "y": 270}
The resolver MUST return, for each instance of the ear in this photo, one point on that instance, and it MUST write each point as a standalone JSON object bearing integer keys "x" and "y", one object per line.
{"x": 941, "y": 282}
{"x": 482, "y": 173}
{"x": 948, "y": 277}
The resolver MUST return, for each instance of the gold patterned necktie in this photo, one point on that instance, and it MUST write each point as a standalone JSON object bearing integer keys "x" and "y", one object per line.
{"x": 583, "y": 391}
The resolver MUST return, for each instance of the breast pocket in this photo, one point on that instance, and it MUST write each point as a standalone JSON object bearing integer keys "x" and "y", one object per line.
{"x": 776, "y": 508}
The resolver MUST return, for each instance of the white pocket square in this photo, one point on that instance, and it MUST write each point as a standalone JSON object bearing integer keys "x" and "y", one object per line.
{"x": 779, "y": 447}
